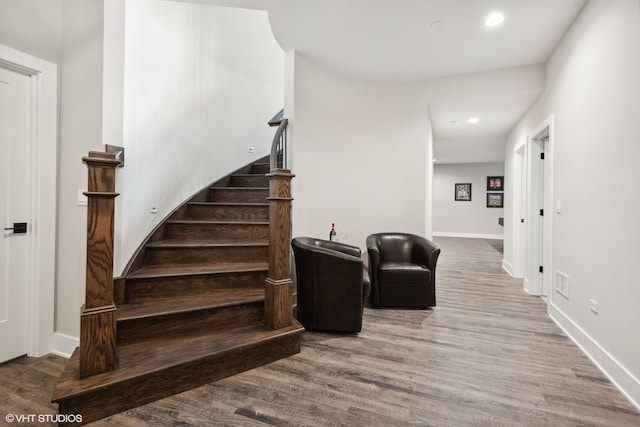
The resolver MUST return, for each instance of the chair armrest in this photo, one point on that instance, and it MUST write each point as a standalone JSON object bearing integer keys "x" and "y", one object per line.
{"x": 425, "y": 252}
{"x": 374, "y": 255}
{"x": 374, "y": 262}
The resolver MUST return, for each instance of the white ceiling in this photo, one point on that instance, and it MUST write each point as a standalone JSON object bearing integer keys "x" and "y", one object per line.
{"x": 394, "y": 40}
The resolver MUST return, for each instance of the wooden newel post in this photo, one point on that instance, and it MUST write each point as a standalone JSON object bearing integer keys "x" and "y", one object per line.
{"x": 278, "y": 286}
{"x": 98, "y": 317}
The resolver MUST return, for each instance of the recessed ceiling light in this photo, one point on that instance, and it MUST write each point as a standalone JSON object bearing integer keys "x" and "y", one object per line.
{"x": 494, "y": 19}
{"x": 473, "y": 120}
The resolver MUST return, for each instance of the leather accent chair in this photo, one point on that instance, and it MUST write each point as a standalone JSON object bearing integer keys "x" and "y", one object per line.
{"x": 402, "y": 267}
{"x": 332, "y": 285}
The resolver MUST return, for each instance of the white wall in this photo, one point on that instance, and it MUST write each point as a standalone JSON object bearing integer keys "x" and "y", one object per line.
{"x": 361, "y": 155}
{"x": 461, "y": 218}
{"x": 195, "y": 77}
{"x": 32, "y": 26}
{"x": 593, "y": 91}
{"x": 201, "y": 83}
{"x": 69, "y": 34}
{"x": 80, "y": 132}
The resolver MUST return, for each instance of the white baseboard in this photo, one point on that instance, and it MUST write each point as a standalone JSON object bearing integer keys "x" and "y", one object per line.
{"x": 506, "y": 266}
{"x": 64, "y": 345}
{"x": 468, "y": 235}
{"x": 620, "y": 377}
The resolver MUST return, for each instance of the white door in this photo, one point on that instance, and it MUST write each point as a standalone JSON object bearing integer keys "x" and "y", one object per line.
{"x": 15, "y": 196}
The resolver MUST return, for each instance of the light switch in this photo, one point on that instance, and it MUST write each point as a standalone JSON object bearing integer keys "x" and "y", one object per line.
{"x": 558, "y": 206}
{"x": 82, "y": 199}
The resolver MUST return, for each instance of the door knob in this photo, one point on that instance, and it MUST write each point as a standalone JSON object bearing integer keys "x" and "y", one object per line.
{"x": 18, "y": 227}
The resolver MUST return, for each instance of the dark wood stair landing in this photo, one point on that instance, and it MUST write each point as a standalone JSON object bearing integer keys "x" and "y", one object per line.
{"x": 190, "y": 304}
{"x": 154, "y": 369}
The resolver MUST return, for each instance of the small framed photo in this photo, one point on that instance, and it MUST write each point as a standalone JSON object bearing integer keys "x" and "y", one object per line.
{"x": 495, "y": 183}
{"x": 495, "y": 200}
{"x": 463, "y": 192}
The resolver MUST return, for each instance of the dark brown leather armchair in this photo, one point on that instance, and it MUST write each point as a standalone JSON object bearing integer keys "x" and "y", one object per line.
{"x": 402, "y": 267}
{"x": 332, "y": 285}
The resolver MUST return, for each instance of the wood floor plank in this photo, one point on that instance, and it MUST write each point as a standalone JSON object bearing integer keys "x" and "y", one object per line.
{"x": 486, "y": 355}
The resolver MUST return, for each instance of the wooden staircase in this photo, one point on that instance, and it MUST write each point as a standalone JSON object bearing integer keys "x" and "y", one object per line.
{"x": 190, "y": 304}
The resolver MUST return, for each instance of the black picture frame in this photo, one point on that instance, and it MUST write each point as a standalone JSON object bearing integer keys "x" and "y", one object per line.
{"x": 495, "y": 183}
{"x": 462, "y": 192}
{"x": 495, "y": 200}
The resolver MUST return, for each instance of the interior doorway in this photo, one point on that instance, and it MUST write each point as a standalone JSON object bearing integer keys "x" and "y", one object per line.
{"x": 29, "y": 196}
{"x": 539, "y": 198}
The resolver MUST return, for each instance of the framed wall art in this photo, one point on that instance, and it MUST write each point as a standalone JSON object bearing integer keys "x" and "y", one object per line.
{"x": 463, "y": 192}
{"x": 495, "y": 183}
{"x": 495, "y": 200}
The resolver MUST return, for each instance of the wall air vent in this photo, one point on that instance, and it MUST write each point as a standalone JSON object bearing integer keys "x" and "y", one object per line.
{"x": 561, "y": 281}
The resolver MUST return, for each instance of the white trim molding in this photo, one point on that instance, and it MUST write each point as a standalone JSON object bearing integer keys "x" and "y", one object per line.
{"x": 507, "y": 267}
{"x": 619, "y": 376}
{"x": 64, "y": 345}
{"x": 41, "y": 286}
{"x": 468, "y": 235}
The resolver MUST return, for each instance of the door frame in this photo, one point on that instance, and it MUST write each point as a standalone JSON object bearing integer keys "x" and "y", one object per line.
{"x": 520, "y": 209}
{"x": 539, "y": 233}
{"x": 42, "y": 226}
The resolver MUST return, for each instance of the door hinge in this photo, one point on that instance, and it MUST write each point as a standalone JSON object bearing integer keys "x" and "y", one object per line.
{"x": 541, "y": 212}
{"x": 541, "y": 156}
{"x": 540, "y": 269}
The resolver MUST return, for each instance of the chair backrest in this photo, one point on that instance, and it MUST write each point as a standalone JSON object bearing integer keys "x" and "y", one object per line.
{"x": 395, "y": 247}
{"x": 307, "y": 243}
{"x": 330, "y": 284}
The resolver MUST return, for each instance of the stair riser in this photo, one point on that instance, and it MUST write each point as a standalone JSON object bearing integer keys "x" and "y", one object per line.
{"x": 228, "y": 213}
{"x": 149, "y": 289}
{"x": 114, "y": 398}
{"x": 187, "y": 323}
{"x": 261, "y": 168}
{"x": 238, "y": 195}
{"x": 249, "y": 181}
{"x": 191, "y": 256}
{"x": 219, "y": 232}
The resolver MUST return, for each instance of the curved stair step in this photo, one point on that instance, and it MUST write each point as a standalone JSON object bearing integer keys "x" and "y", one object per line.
{"x": 238, "y": 194}
{"x": 231, "y": 210}
{"x": 173, "y": 253}
{"x": 221, "y": 231}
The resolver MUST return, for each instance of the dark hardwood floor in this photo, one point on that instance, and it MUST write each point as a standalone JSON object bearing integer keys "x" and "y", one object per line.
{"x": 487, "y": 355}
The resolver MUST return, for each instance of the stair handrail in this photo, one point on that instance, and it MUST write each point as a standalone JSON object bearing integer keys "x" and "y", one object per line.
{"x": 278, "y": 157}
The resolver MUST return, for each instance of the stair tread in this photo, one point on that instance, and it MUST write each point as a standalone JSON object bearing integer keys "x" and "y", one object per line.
{"x": 229, "y": 204}
{"x": 239, "y": 188}
{"x": 194, "y": 243}
{"x": 151, "y": 272}
{"x": 208, "y": 221}
{"x": 180, "y": 304}
{"x": 138, "y": 359}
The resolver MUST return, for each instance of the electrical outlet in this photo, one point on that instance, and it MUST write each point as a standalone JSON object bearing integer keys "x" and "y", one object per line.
{"x": 593, "y": 306}
{"x": 154, "y": 208}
